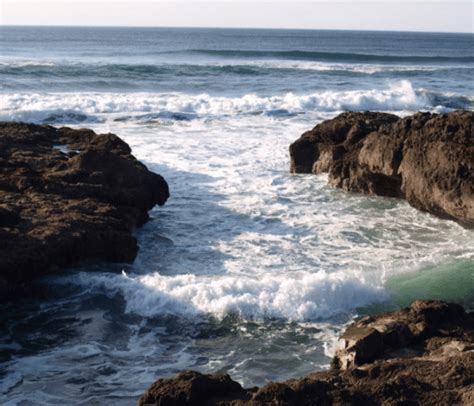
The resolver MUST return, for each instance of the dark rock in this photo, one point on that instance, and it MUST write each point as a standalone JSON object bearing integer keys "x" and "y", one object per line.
{"x": 372, "y": 338}
{"x": 315, "y": 150}
{"x": 67, "y": 196}
{"x": 359, "y": 345}
{"x": 420, "y": 355}
{"x": 192, "y": 388}
{"x": 427, "y": 159}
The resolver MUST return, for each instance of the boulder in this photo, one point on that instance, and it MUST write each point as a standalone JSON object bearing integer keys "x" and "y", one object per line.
{"x": 67, "y": 196}
{"x": 427, "y": 159}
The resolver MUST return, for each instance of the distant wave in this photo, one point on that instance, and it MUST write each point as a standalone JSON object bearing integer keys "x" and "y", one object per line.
{"x": 249, "y": 68}
{"x": 327, "y": 56}
{"x": 149, "y": 107}
{"x": 25, "y": 62}
{"x": 147, "y": 71}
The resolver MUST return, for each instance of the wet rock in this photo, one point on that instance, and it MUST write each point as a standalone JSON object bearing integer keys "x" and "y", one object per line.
{"x": 427, "y": 159}
{"x": 192, "y": 388}
{"x": 420, "y": 355}
{"x": 358, "y": 345}
{"x": 372, "y": 338}
{"x": 67, "y": 196}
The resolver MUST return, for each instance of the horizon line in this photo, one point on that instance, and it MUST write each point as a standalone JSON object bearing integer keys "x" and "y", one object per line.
{"x": 233, "y": 28}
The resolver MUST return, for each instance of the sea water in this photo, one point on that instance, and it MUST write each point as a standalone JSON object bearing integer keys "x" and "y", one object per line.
{"x": 247, "y": 269}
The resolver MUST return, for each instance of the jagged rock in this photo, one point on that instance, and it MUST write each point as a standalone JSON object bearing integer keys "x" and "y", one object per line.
{"x": 427, "y": 159}
{"x": 67, "y": 196}
{"x": 420, "y": 355}
{"x": 374, "y": 337}
{"x": 359, "y": 345}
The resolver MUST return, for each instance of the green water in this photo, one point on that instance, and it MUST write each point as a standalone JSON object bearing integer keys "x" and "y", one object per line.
{"x": 452, "y": 281}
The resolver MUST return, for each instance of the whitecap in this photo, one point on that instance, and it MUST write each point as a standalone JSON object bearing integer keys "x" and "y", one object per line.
{"x": 78, "y": 107}
{"x": 299, "y": 296}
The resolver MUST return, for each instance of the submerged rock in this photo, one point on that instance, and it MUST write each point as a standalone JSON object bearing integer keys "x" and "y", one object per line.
{"x": 427, "y": 159}
{"x": 420, "y": 355}
{"x": 67, "y": 196}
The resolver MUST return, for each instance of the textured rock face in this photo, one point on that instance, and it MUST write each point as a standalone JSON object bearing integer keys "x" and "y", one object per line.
{"x": 427, "y": 159}
{"x": 385, "y": 335}
{"x": 421, "y": 355}
{"x": 67, "y": 196}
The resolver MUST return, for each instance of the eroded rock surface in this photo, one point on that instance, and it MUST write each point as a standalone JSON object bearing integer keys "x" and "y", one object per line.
{"x": 427, "y": 159}
{"x": 67, "y": 196}
{"x": 420, "y": 355}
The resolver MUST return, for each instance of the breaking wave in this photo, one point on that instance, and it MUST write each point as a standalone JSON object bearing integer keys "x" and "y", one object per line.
{"x": 58, "y": 69}
{"x": 303, "y": 296}
{"x": 92, "y": 107}
{"x": 327, "y": 56}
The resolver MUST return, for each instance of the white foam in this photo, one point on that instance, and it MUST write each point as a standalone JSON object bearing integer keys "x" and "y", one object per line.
{"x": 36, "y": 107}
{"x": 63, "y": 148}
{"x": 241, "y": 235}
{"x": 367, "y": 68}
{"x": 26, "y": 62}
{"x": 301, "y": 296}
{"x": 346, "y": 67}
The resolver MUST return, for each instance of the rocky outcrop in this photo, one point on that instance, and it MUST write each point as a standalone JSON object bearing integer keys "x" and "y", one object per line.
{"x": 193, "y": 388}
{"x": 420, "y": 355}
{"x": 68, "y": 196}
{"x": 427, "y": 159}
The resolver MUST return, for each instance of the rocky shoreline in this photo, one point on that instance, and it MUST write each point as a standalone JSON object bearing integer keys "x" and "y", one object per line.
{"x": 427, "y": 159}
{"x": 420, "y": 355}
{"x": 67, "y": 196}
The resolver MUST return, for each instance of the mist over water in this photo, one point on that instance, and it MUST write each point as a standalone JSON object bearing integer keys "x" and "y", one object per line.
{"x": 247, "y": 269}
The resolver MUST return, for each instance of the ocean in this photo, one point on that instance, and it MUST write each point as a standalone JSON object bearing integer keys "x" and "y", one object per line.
{"x": 247, "y": 269}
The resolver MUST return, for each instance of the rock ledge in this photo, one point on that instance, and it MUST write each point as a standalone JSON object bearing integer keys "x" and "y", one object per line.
{"x": 67, "y": 196}
{"x": 420, "y": 355}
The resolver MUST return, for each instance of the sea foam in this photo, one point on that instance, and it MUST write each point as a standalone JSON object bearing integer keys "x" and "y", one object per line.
{"x": 301, "y": 296}
{"x": 82, "y": 107}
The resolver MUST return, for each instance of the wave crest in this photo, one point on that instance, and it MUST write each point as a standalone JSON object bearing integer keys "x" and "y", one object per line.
{"x": 145, "y": 107}
{"x": 241, "y": 68}
{"x": 325, "y": 56}
{"x": 303, "y": 296}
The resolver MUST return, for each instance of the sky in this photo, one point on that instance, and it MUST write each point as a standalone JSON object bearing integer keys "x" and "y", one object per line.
{"x": 401, "y": 15}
